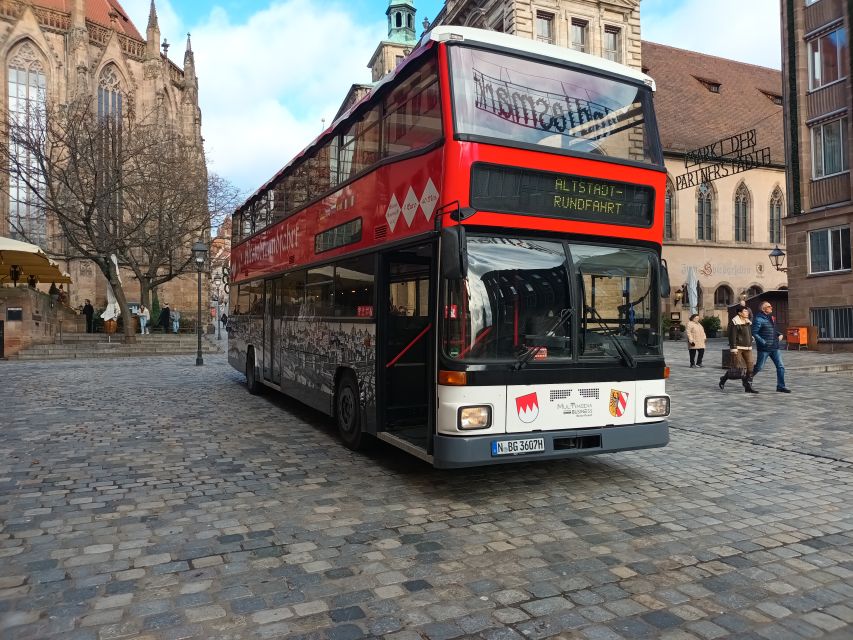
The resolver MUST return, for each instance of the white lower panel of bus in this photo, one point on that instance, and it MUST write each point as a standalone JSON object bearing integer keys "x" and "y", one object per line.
{"x": 520, "y": 408}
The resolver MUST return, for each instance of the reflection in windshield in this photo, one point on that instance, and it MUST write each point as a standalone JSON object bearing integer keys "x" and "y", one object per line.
{"x": 501, "y": 96}
{"x": 510, "y": 306}
{"x": 510, "y": 303}
{"x": 620, "y": 310}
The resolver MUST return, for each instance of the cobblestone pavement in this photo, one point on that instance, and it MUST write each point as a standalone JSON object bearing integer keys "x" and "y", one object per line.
{"x": 149, "y": 498}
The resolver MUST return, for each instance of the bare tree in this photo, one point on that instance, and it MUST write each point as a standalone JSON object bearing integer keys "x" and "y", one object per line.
{"x": 168, "y": 203}
{"x": 223, "y": 197}
{"x": 117, "y": 184}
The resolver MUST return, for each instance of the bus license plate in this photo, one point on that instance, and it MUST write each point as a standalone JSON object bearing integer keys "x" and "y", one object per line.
{"x": 517, "y": 447}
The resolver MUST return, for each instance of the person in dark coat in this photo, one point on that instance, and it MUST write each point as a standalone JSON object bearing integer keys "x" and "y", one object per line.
{"x": 767, "y": 342}
{"x": 89, "y": 312}
{"x": 165, "y": 319}
{"x": 740, "y": 343}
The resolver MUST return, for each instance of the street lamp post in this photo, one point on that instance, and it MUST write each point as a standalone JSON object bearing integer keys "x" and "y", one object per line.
{"x": 199, "y": 253}
{"x": 217, "y": 280}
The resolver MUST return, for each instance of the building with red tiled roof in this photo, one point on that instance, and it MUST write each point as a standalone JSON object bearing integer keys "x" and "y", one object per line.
{"x": 107, "y": 13}
{"x": 91, "y": 47}
{"x": 722, "y": 217}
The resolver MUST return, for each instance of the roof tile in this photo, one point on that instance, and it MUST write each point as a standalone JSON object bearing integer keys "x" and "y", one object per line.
{"x": 97, "y": 11}
{"x": 691, "y": 116}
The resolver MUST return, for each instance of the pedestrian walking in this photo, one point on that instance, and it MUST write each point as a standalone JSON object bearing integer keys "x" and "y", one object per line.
{"x": 695, "y": 341}
{"x": 767, "y": 339}
{"x": 740, "y": 344}
{"x": 89, "y": 312}
{"x": 144, "y": 316}
{"x": 165, "y": 319}
{"x": 175, "y": 315}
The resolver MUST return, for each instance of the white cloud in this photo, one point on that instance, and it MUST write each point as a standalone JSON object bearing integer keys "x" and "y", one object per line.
{"x": 744, "y": 30}
{"x": 266, "y": 83}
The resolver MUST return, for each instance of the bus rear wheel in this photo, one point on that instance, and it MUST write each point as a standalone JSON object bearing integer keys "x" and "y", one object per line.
{"x": 252, "y": 383}
{"x": 348, "y": 412}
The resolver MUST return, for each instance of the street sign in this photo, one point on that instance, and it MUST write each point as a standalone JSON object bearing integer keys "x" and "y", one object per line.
{"x": 726, "y": 157}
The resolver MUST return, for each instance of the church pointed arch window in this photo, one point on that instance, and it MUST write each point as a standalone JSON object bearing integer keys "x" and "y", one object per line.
{"x": 27, "y": 95}
{"x": 742, "y": 213}
{"x": 110, "y": 95}
{"x": 776, "y": 216}
{"x": 704, "y": 212}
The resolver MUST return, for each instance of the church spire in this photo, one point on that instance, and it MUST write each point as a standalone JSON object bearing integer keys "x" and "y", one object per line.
{"x": 401, "y": 21}
{"x": 78, "y": 14}
{"x": 152, "y": 34}
{"x": 189, "y": 58}
{"x": 152, "y": 17}
{"x": 190, "y": 79}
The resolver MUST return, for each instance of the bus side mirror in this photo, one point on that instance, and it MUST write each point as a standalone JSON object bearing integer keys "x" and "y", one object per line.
{"x": 664, "y": 279}
{"x": 454, "y": 256}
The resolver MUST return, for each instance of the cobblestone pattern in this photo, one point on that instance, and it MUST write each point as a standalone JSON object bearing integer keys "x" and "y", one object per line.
{"x": 152, "y": 499}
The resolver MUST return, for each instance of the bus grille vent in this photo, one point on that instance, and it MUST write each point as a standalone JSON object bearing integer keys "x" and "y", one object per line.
{"x": 560, "y": 394}
{"x": 380, "y": 232}
{"x": 291, "y": 260}
{"x": 589, "y": 393}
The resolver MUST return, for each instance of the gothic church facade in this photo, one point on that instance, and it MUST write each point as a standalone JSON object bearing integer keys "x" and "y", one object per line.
{"x": 51, "y": 50}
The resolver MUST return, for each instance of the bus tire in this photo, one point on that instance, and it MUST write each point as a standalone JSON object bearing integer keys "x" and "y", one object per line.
{"x": 252, "y": 383}
{"x": 348, "y": 412}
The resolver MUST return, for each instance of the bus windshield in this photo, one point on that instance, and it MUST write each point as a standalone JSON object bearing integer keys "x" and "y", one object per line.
{"x": 517, "y": 100}
{"x": 517, "y": 303}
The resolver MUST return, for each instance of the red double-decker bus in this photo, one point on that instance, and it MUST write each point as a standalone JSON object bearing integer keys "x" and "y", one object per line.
{"x": 467, "y": 263}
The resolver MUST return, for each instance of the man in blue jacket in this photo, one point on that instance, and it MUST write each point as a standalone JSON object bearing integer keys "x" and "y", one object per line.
{"x": 767, "y": 340}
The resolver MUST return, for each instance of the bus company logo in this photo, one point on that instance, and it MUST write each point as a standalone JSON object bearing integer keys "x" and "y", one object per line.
{"x": 527, "y": 407}
{"x": 392, "y": 214}
{"x": 271, "y": 247}
{"x": 409, "y": 209}
{"x": 618, "y": 403}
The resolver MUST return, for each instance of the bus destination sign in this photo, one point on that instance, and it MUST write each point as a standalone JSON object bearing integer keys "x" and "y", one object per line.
{"x": 557, "y": 195}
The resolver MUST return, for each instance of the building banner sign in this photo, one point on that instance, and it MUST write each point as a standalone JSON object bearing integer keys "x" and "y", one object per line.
{"x": 727, "y": 157}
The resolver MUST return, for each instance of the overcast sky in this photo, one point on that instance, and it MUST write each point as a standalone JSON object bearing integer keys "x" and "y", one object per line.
{"x": 271, "y": 70}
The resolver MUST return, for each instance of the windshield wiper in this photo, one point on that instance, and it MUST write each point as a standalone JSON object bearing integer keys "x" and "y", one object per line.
{"x": 627, "y": 357}
{"x": 524, "y": 358}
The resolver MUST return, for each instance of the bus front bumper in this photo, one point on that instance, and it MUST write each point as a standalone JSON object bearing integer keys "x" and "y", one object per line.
{"x": 452, "y": 452}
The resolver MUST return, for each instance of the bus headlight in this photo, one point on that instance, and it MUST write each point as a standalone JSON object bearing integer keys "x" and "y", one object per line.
{"x": 657, "y": 406}
{"x": 479, "y": 417}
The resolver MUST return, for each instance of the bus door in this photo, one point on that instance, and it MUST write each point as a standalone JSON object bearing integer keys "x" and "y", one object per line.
{"x": 405, "y": 343}
{"x": 272, "y": 311}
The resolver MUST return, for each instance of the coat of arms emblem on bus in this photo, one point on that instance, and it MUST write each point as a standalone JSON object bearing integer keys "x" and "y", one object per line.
{"x": 527, "y": 407}
{"x": 618, "y": 403}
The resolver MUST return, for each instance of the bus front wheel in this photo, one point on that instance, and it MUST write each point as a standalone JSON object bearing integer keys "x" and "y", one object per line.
{"x": 348, "y": 412}
{"x": 252, "y": 383}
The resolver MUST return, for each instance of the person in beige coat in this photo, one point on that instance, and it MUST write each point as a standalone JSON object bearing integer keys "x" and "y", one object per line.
{"x": 695, "y": 341}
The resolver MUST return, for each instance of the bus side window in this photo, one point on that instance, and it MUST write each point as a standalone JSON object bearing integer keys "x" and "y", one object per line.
{"x": 413, "y": 113}
{"x": 319, "y": 292}
{"x": 293, "y": 293}
{"x": 354, "y": 285}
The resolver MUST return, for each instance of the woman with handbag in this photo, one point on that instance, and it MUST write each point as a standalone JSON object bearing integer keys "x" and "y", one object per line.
{"x": 740, "y": 343}
{"x": 695, "y": 340}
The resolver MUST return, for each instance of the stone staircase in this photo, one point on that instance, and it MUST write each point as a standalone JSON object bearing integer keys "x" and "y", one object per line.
{"x": 99, "y": 345}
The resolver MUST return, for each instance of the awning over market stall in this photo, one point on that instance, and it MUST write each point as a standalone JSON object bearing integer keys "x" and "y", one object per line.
{"x": 21, "y": 260}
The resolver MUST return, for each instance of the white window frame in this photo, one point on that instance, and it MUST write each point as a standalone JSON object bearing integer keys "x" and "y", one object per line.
{"x": 845, "y": 149}
{"x": 815, "y": 82}
{"x": 616, "y": 53}
{"x": 829, "y": 231}
{"x": 543, "y": 17}
{"x": 584, "y": 27}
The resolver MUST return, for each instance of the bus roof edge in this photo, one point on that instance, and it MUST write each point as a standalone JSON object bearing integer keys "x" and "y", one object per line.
{"x": 469, "y": 34}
